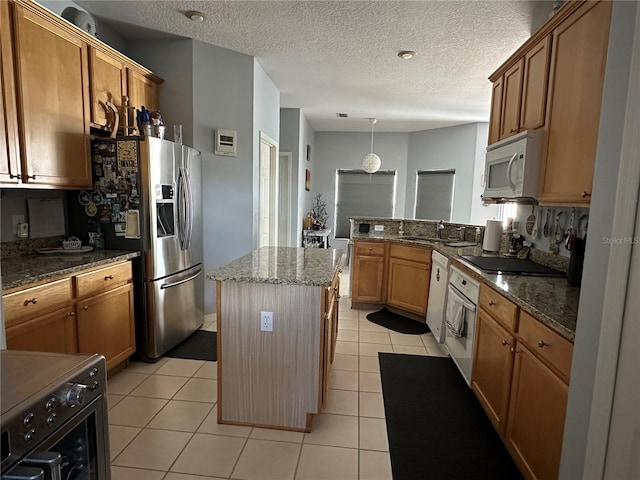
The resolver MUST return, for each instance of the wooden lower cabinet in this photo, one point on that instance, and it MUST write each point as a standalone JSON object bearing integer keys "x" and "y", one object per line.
{"x": 89, "y": 312}
{"x": 53, "y": 332}
{"x": 368, "y": 279}
{"x": 492, "y": 368}
{"x": 537, "y": 411}
{"x": 105, "y": 325}
{"x": 408, "y": 285}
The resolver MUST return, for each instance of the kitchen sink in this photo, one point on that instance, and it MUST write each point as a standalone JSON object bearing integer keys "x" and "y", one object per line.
{"x": 426, "y": 239}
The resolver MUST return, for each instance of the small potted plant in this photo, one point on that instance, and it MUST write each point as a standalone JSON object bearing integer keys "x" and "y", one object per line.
{"x": 319, "y": 212}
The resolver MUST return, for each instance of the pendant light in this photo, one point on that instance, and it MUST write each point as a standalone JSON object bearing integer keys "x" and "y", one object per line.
{"x": 371, "y": 161}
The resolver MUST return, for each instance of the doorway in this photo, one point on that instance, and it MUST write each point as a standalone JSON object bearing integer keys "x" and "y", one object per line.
{"x": 285, "y": 173}
{"x": 268, "y": 194}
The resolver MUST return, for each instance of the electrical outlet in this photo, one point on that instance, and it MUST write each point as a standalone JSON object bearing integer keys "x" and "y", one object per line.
{"x": 266, "y": 321}
{"x": 15, "y": 221}
{"x": 379, "y": 228}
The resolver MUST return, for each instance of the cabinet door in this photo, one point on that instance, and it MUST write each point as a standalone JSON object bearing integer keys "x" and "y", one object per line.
{"x": 142, "y": 91}
{"x": 106, "y": 325}
{"x": 492, "y": 368}
{"x": 408, "y": 285}
{"x": 9, "y": 171}
{"x": 512, "y": 97}
{"x": 53, "y": 86}
{"x": 53, "y": 332}
{"x": 107, "y": 84}
{"x": 534, "y": 87}
{"x": 496, "y": 111}
{"x": 536, "y": 416}
{"x": 368, "y": 276}
{"x": 578, "y": 61}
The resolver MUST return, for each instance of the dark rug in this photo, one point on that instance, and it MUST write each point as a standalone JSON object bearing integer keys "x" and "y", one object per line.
{"x": 436, "y": 426}
{"x": 397, "y": 323}
{"x": 201, "y": 345}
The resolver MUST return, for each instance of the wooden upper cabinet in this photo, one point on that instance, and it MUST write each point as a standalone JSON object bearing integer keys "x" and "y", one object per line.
{"x": 578, "y": 61}
{"x": 53, "y": 99}
{"x": 9, "y": 158}
{"x": 511, "y": 98}
{"x": 108, "y": 82}
{"x": 534, "y": 86}
{"x": 496, "y": 111}
{"x": 142, "y": 90}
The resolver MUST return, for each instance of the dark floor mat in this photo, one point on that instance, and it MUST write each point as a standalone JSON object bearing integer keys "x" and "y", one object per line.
{"x": 397, "y": 323}
{"x": 436, "y": 426}
{"x": 201, "y": 345}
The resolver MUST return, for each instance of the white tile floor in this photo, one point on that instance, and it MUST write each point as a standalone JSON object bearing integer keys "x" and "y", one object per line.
{"x": 163, "y": 425}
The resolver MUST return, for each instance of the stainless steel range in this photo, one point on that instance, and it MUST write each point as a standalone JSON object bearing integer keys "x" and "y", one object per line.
{"x": 53, "y": 416}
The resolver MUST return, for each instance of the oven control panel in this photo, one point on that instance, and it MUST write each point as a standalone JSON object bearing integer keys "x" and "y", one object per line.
{"x": 34, "y": 420}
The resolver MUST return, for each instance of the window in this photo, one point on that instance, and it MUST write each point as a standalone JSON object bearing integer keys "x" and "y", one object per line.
{"x": 434, "y": 194}
{"x": 360, "y": 194}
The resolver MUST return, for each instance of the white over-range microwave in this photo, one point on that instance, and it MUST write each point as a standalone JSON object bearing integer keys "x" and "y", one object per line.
{"x": 512, "y": 167}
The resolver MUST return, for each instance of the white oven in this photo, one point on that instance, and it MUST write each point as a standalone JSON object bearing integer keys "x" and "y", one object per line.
{"x": 512, "y": 166}
{"x": 460, "y": 320}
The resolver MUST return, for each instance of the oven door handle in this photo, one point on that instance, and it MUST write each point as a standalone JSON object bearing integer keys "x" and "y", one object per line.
{"x": 24, "y": 473}
{"x": 48, "y": 461}
{"x": 461, "y": 299}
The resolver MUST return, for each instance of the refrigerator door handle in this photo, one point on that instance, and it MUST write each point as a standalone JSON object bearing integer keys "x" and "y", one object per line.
{"x": 189, "y": 202}
{"x": 183, "y": 209}
{"x": 180, "y": 282}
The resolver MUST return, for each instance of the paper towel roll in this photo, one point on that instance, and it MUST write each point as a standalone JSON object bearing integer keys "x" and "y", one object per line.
{"x": 492, "y": 236}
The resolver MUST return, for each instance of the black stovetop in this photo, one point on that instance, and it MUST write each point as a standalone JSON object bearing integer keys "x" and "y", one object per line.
{"x": 512, "y": 265}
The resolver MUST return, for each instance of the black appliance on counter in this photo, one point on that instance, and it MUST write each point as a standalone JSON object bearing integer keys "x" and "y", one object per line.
{"x": 511, "y": 265}
{"x": 54, "y": 416}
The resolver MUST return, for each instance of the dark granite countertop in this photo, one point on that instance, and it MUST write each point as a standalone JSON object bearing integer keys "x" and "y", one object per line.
{"x": 551, "y": 300}
{"x": 22, "y": 271}
{"x": 283, "y": 265}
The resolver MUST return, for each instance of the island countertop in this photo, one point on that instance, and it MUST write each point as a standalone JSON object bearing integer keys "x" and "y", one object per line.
{"x": 283, "y": 265}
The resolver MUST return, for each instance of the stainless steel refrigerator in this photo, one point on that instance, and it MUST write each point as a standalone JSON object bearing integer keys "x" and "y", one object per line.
{"x": 171, "y": 232}
{"x": 147, "y": 196}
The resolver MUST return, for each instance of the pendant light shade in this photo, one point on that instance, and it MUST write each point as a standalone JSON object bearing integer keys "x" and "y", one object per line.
{"x": 371, "y": 162}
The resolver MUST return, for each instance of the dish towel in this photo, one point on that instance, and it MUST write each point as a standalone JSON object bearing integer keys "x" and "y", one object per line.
{"x": 455, "y": 315}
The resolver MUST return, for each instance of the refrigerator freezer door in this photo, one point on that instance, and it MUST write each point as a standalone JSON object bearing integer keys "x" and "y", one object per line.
{"x": 175, "y": 306}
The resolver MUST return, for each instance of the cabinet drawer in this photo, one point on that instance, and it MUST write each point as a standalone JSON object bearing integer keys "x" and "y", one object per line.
{"x": 547, "y": 344}
{"x": 103, "y": 279}
{"x": 414, "y": 254}
{"x": 370, "y": 248}
{"x": 499, "y": 307}
{"x": 37, "y": 300}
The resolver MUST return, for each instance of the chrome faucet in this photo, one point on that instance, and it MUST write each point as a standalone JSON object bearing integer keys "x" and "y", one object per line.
{"x": 440, "y": 228}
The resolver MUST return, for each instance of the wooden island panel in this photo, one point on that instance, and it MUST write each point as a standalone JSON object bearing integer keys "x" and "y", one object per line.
{"x": 262, "y": 372}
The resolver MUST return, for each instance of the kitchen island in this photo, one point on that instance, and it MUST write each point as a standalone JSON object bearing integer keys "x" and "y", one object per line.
{"x": 275, "y": 373}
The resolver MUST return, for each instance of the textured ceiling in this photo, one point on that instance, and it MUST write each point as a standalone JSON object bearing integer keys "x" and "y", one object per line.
{"x": 340, "y": 56}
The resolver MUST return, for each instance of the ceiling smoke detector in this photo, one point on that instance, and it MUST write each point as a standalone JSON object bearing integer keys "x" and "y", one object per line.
{"x": 406, "y": 54}
{"x": 195, "y": 16}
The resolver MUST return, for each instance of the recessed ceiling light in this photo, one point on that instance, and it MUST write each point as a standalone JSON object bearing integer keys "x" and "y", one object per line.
{"x": 194, "y": 16}
{"x": 406, "y": 54}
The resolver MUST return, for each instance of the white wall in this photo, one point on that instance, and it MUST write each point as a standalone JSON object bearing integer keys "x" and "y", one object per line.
{"x": 590, "y": 312}
{"x": 444, "y": 148}
{"x": 266, "y": 119}
{"x": 290, "y": 142}
{"x": 334, "y": 150}
{"x": 307, "y": 137}
{"x": 480, "y": 213}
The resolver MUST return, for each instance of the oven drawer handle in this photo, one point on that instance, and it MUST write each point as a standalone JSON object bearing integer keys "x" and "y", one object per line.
{"x": 180, "y": 282}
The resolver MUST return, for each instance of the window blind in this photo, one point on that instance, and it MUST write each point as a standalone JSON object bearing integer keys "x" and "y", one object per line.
{"x": 360, "y": 194}
{"x": 434, "y": 194}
